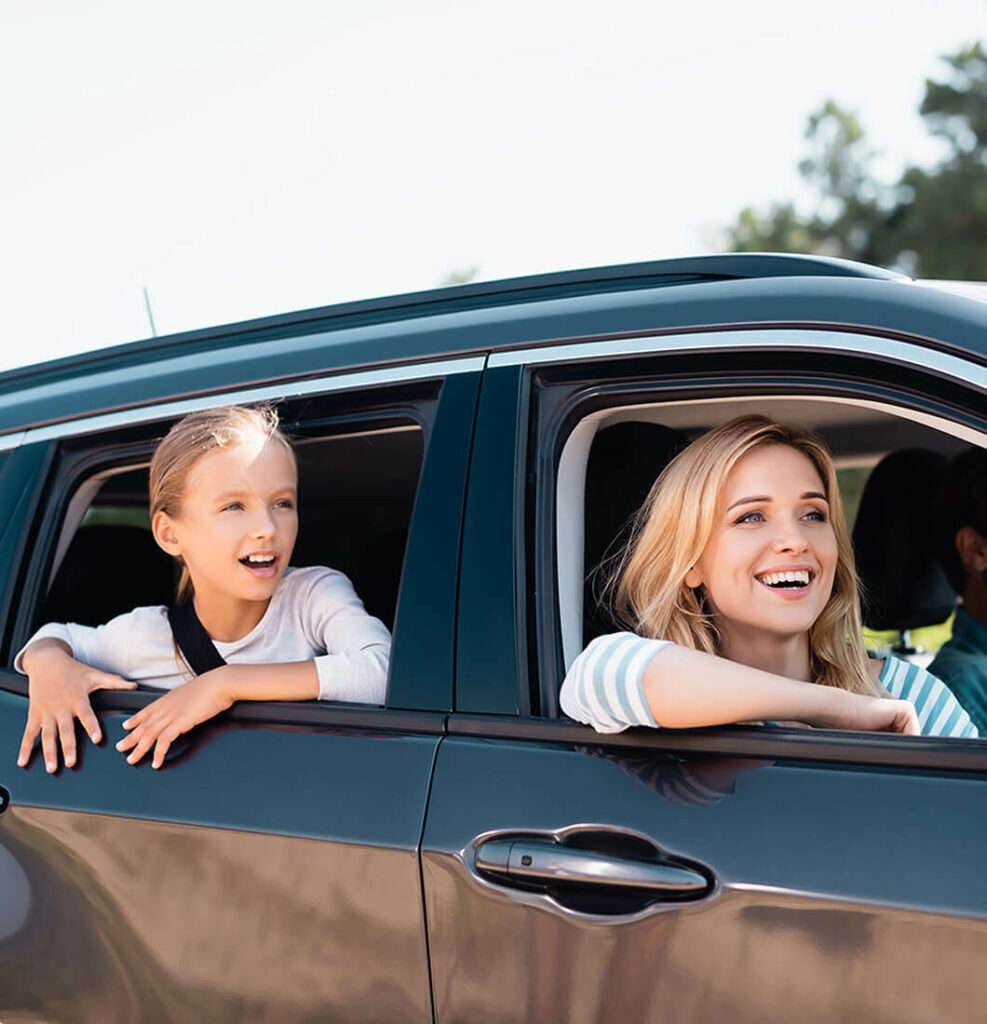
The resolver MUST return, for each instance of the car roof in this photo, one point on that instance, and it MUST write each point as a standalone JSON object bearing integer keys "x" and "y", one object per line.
{"x": 709, "y": 292}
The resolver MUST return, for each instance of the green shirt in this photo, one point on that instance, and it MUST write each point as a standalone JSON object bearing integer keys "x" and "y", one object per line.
{"x": 962, "y": 665}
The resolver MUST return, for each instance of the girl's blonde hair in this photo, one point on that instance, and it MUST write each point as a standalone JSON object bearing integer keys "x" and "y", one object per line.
{"x": 195, "y": 436}
{"x": 673, "y": 526}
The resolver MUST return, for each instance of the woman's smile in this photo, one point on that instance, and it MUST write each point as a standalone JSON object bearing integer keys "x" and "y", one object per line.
{"x": 770, "y": 561}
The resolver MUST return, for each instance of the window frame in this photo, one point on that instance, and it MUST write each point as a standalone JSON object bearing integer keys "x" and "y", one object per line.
{"x": 419, "y": 396}
{"x": 568, "y": 382}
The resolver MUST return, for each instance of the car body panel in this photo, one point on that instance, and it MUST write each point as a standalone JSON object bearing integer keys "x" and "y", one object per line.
{"x": 808, "y": 911}
{"x": 262, "y": 873}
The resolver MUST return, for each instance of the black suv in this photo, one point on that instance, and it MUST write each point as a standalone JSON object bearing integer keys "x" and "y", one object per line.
{"x": 464, "y": 853}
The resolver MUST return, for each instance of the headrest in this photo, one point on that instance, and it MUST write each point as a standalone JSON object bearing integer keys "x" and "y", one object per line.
{"x": 624, "y": 461}
{"x": 903, "y": 585}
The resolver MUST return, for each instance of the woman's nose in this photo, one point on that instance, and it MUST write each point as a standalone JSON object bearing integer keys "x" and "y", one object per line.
{"x": 791, "y": 538}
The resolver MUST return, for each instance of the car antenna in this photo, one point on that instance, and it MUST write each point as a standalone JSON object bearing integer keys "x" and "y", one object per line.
{"x": 150, "y": 315}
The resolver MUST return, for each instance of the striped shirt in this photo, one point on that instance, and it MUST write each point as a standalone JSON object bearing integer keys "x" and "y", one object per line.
{"x": 604, "y": 689}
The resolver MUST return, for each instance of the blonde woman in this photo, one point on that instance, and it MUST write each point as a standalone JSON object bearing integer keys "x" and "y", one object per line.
{"x": 740, "y": 589}
{"x": 224, "y": 504}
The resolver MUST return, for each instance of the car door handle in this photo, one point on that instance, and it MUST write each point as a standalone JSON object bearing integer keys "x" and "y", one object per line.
{"x": 543, "y": 862}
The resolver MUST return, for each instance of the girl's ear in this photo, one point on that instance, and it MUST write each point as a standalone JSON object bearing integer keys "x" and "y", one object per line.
{"x": 163, "y": 529}
{"x": 693, "y": 578}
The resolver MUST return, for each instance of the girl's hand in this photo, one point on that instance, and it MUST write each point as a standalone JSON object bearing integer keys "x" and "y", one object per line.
{"x": 161, "y": 722}
{"x": 870, "y": 714}
{"x": 58, "y": 690}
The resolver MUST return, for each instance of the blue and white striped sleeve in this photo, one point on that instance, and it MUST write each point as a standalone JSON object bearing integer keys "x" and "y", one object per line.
{"x": 939, "y": 712}
{"x": 603, "y": 688}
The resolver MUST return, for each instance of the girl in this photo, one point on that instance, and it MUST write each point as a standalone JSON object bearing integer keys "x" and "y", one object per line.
{"x": 223, "y": 488}
{"x": 740, "y": 587}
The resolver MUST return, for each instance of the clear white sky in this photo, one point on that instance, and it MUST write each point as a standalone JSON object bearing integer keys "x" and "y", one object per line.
{"x": 244, "y": 158}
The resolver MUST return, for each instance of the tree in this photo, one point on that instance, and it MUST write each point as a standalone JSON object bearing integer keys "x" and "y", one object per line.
{"x": 931, "y": 221}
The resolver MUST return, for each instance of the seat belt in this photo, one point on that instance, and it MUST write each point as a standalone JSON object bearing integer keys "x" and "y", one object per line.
{"x": 194, "y": 642}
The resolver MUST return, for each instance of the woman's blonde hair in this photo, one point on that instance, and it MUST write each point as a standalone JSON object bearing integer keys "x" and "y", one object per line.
{"x": 195, "y": 436}
{"x": 673, "y": 526}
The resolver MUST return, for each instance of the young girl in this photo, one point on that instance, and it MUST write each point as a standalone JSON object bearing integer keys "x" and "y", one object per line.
{"x": 223, "y": 488}
{"x": 740, "y": 588}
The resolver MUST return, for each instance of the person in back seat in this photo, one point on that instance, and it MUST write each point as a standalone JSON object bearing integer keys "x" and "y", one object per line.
{"x": 740, "y": 587}
{"x": 247, "y": 626}
{"x": 962, "y": 528}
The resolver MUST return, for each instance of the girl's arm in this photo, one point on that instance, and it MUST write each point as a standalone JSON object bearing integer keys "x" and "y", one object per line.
{"x": 58, "y": 691}
{"x": 161, "y": 722}
{"x": 624, "y": 680}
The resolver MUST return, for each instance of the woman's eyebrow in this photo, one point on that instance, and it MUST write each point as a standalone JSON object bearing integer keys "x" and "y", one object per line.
{"x": 748, "y": 501}
{"x": 767, "y": 497}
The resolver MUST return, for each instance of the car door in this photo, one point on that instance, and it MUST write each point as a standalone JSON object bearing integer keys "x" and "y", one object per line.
{"x": 269, "y": 871}
{"x": 738, "y": 873}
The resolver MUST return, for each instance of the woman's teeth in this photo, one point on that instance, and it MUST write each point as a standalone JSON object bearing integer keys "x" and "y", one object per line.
{"x": 795, "y": 577}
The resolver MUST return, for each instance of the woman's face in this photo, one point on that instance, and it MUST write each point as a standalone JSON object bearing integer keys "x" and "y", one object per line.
{"x": 770, "y": 561}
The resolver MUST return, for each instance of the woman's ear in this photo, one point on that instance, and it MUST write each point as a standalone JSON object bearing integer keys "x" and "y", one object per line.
{"x": 165, "y": 536}
{"x": 972, "y": 549}
{"x": 693, "y": 578}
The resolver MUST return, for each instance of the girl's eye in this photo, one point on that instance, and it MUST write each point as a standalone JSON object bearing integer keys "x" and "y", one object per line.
{"x": 284, "y": 503}
{"x": 233, "y": 506}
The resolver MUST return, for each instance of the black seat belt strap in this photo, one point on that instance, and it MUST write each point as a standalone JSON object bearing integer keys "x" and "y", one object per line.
{"x": 194, "y": 642}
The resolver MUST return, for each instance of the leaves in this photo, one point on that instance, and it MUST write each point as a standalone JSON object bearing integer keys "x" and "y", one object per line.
{"x": 931, "y": 222}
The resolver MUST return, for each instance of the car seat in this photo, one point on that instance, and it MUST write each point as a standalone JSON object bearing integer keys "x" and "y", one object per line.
{"x": 903, "y": 585}
{"x": 624, "y": 461}
{"x": 108, "y": 570}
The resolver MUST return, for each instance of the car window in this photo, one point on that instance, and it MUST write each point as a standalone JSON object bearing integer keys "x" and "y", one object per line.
{"x": 618, "y": 452}
{"x": 359, "y": 462}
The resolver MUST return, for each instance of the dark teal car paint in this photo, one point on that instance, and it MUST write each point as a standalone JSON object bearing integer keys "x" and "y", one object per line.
{"x": 310, "y": 862}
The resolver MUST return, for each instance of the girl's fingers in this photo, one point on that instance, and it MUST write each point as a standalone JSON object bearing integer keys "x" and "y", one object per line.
{"x": 31, "y": 731}
{"x": 144, "y": 744}
{"x": 106, "y": 681}
{"x": 165, "y": 740}
{"x": 89, "y": 722}
{"x": 49, "y": 744}
{"x": 66, "y": 734}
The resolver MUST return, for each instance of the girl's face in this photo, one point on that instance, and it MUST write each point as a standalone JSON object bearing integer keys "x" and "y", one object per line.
{"x": 770, "y": 561}
{"x": 238, "y": 521}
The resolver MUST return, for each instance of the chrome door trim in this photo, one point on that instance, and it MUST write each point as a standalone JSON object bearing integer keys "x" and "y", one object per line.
{"x": 8, "y": 442}
{"x": 788, "y": 339}
{"x": 268, "y": 392}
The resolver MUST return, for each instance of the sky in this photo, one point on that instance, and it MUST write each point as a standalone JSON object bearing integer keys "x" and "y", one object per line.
{"x": 244, "y": 159}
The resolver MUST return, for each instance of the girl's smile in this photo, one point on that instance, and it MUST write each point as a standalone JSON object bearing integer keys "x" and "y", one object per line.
{"x": 235, "y": 532}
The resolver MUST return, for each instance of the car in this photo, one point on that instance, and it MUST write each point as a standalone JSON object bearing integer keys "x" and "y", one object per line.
{"x": 465, "y": 853}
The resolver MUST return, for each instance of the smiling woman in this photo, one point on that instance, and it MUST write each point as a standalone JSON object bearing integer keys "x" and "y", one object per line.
{"x": 739, "y": 584}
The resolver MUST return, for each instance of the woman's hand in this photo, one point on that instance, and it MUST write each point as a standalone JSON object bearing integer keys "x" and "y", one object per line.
{"x": 162, "y": 721}
{"x": 870, "y": 714}
{"x": 58, "y": 689}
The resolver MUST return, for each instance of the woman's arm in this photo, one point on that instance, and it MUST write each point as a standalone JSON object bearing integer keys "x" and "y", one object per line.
{"x": 161, "y": 722}
{"x": 624, "y": 680}
{"x": 685, "y": 689}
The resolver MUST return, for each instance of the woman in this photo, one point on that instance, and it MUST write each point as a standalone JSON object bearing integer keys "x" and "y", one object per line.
{"x": 740, "y": 588}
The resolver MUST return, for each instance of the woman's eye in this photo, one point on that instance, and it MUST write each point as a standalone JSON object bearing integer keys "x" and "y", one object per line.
{"x": 751, "y": 517}
{"x": 284, "y": 503}
{"x": 234, "y": 506}
{"x": 817, "y": 516}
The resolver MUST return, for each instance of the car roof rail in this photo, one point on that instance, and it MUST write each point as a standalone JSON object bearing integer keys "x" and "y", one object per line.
{"x": 480, "y": 294}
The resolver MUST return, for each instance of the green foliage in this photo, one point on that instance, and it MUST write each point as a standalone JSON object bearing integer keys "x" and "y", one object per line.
{"x": 932, "y": 221}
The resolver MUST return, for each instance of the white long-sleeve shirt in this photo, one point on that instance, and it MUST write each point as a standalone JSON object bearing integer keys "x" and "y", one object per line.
{"x": 314, "y": 615}
{"x": 604, "y": 688}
